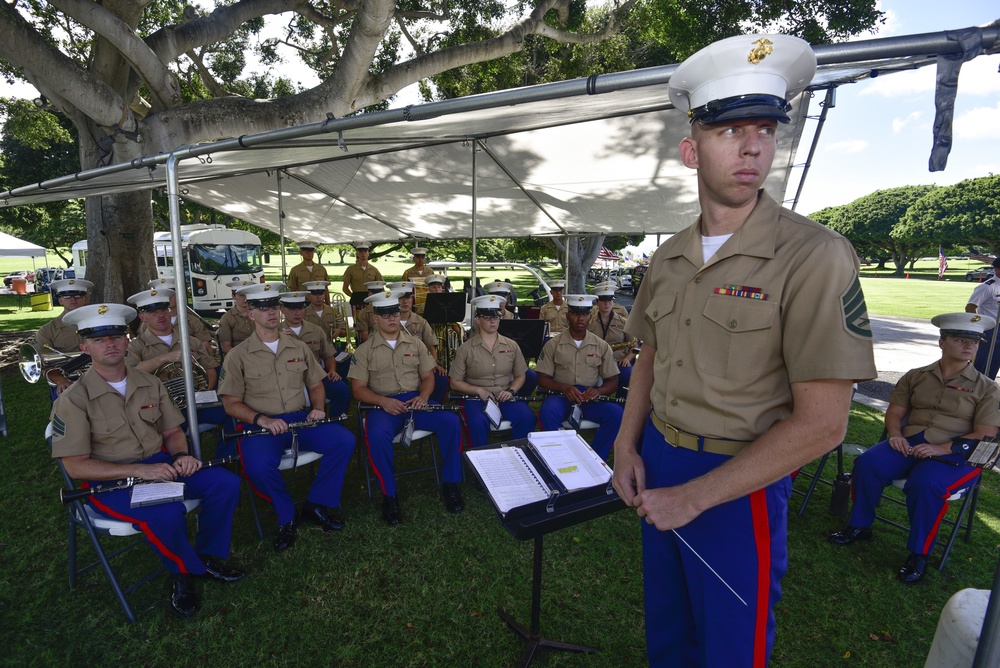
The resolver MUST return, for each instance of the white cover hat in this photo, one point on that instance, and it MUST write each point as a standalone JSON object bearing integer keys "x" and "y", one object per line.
{"x": 263, "y": 294}
{"x": 487, "y": 303}
{"x": 435, "y": 278}
{"x": 964, "y": 325}
{"x": 580, "y": 303}
{"x": 147, "y": 299}
{"x": 100, "y": 319}
{"x": 746, "y": 76}
{"x": 375, "y": 285}
{"x": 70, "y": 285}
{"x": 294, "y": 298}
{"x": 316, "y": 286}
{"x": 498, "y": 286}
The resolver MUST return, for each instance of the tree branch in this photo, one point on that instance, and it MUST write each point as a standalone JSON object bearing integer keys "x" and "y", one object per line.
{"x": 47, "y": 68}
{"x": 162, "y": 83}
{"x": 214, "y": 87}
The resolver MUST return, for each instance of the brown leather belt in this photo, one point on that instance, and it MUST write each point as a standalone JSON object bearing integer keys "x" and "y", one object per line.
{"x": 682, "y": 439}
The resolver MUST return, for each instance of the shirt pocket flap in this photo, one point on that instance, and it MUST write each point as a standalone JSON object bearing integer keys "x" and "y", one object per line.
{"x": 108, "y": 425}
{"x": 661, "y": 306}
{"x": 736, "y": 314}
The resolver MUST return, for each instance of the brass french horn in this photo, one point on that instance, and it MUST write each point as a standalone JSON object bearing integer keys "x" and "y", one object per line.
{"x": 35, "y": 364}
{"x": 171, "y": 374}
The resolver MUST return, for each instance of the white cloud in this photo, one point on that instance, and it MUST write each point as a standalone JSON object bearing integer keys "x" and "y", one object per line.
{"x": 898, "y": 124}
{"x": 978, "y": 123}
{"x": 848, "y": 146}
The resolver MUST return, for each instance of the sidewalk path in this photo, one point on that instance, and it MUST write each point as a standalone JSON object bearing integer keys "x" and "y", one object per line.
{"x": 901, "y": 344}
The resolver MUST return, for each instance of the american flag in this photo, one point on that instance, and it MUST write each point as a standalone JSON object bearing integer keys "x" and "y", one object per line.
{"x": 942, "y": 263}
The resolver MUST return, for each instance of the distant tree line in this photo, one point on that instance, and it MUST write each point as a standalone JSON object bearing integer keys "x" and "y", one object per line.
{"x": 904, "y": 224}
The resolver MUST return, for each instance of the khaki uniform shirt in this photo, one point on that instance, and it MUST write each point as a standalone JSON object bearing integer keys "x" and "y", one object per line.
{"x": 493, "y": 369}
{"x": 92, "y": 418}
{"x": 417, "y": 326}
{"x": 356, "y": 277}
{"x": 327, "y": 322}
{"x": 585, "y": 366}
{"x": 273, "y": 384}
{"x": 363, "y": 321}
{"x": 234, "y": 327}
{"x": 196, "y": 328}
{"x": 946, "y": 407}
{"x": 389, "y": 371}
{"x": 148, "y": 345}
{"x": 300, "y": 274}
{"x": 59, "y": 335}
{"x": 555, "y": 316}
{"x": 725, "y": 362}
{"x": 615, "y": 333}
{"x": 412, "y": 274}
{"x": 311, "y": 335}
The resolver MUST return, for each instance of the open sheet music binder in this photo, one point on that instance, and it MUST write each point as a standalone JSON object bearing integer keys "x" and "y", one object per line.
{"x": 530, "y": 495}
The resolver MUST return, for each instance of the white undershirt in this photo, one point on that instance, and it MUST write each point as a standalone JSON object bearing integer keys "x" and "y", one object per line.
{"x": 319, "y": 313}
{"x": 119, "y": 386}
{"x": 392, "y": 344}
{"x": 578, "y": 343}
{"x": 168, "y": 339}
{"x": 709, "y": 245}
{"x": 297, "y": 330}
{"x": 273, "y": 345}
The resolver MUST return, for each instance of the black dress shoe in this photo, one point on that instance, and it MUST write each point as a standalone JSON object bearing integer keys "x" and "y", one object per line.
{"x": 183, "y": 598}
{"x": 285, "y": 538}
{"x": 850, "y": 534}
{"x": 327, "y": 518}
{"x": 452, "y": 498}
{"x": 913, "y": 570}
{"x": 218, "y": 571}
{"x": 390, "y": 510}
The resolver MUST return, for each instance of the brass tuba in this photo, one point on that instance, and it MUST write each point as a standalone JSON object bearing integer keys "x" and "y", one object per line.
{"x": 35, "y": 365}
{"x": 171, "y": 374}
{"x": 342, "y": 311}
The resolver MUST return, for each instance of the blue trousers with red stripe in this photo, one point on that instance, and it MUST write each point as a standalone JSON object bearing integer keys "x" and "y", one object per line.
{"x": 555, "y": 409}
{"x": 928, "y": 485}
{"x": 522, "y": 420}
{"x": 260, "y": 456}
{"x": 165, "y": 525}
{"x": 339, "y": 396}
{"x": 692, "y": 618}
{"x": 381, "y": 428}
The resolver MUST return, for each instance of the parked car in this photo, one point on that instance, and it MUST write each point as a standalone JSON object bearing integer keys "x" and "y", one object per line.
{"x": 979, "y": 275}
{"x": 8, "y": 280}
{"x": 625, "y": 281}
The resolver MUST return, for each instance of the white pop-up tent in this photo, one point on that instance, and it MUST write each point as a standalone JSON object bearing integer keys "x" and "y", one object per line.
{"x": 11, "y": 246}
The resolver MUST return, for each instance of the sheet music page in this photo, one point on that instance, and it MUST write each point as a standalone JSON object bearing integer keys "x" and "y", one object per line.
{"x": 206, "y": 397}
{"x": 983, "y": 454}
{"x": 509, "y": 477}
{"x": 493, "y": 414}
{"x": 570, "y": 458}
{"x": 152, "y": 493}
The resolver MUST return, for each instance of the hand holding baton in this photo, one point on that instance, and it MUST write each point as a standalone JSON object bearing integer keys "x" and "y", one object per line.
{"x": 70, "y": 495}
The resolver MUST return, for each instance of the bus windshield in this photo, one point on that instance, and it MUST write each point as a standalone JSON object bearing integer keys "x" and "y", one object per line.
{"x": 225, "y": 258}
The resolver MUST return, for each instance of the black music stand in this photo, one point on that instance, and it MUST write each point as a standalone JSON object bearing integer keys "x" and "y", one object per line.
{"x": 529, "y": 335}
{"x": 444, "y": 307}
{"x": 533, "y": 521}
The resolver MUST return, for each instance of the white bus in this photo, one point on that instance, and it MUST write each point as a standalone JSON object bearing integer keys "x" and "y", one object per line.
{"x": 213, "y": 256}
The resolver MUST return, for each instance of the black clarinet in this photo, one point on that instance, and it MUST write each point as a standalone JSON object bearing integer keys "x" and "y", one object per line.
{"x": 473, "y": 397}
{"x": 599, "y": 397}
{"x": 71, "y": 495}
{"x": 428, "y": 407}
{"x": 292, "y": 426}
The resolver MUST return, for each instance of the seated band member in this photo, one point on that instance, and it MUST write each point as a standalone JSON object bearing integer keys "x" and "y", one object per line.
{"x": 614, "y": 287}
{"x": 417, "y": 326}
{"x": 118, "y": 422}
{"x": 579, "y": 366}
{"x": 554, "y": 311}
{"x": 196, "y": 326}
{"x": 435, "y": 285}
{"x": 262, "y": 385}
{"x": 293, "y": 307}
{"x": 948, "y": 407}
{"x": 490, "y": 365}
{"x": 363, "y": 317}
{"x": 235, "y": 325}
{"x": 505, "y": 290}
{"x": 358, "y": 275}
{"x": 58, "y": 336}
{"x": 393, "y": 370}
{"x": 609, "y": 324}
{"x": 322, "y": 314}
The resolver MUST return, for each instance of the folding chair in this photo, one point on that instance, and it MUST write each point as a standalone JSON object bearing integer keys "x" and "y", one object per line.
{"x": 416, "y": 450}
{"x": 288, "y": 463}
{"x": 83, "y": 516}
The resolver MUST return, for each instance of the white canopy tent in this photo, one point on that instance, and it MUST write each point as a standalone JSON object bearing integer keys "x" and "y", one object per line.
{"x": 11, "y": 246}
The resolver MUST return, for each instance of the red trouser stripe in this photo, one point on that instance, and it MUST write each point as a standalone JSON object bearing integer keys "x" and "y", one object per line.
{"x": 144, "y": 527}
{"x": 243, "y": 470}
{"x": 958, "y": 484}
{"x": 368, "y": 449}
{"x": 762, "y": 541}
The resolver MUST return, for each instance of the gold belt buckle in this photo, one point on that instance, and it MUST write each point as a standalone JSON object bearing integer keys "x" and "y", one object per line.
{"x": 677, "y": 434}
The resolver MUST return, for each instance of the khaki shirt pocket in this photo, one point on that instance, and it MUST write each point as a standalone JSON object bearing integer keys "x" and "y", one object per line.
{"x": 295, "y": 374}
{"x": 108, "y": 425}
{"x": 741, "y": 338}
{"x": 661, "y": 306}
{"x": 150, "y": 414}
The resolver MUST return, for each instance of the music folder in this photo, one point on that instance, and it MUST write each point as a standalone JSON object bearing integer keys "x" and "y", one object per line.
{"x": 546, "y": 482}
{"x": 444, "y": 307}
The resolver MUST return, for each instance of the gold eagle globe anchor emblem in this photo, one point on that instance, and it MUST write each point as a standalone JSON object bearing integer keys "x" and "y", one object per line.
{"x": 762, "y": 48}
